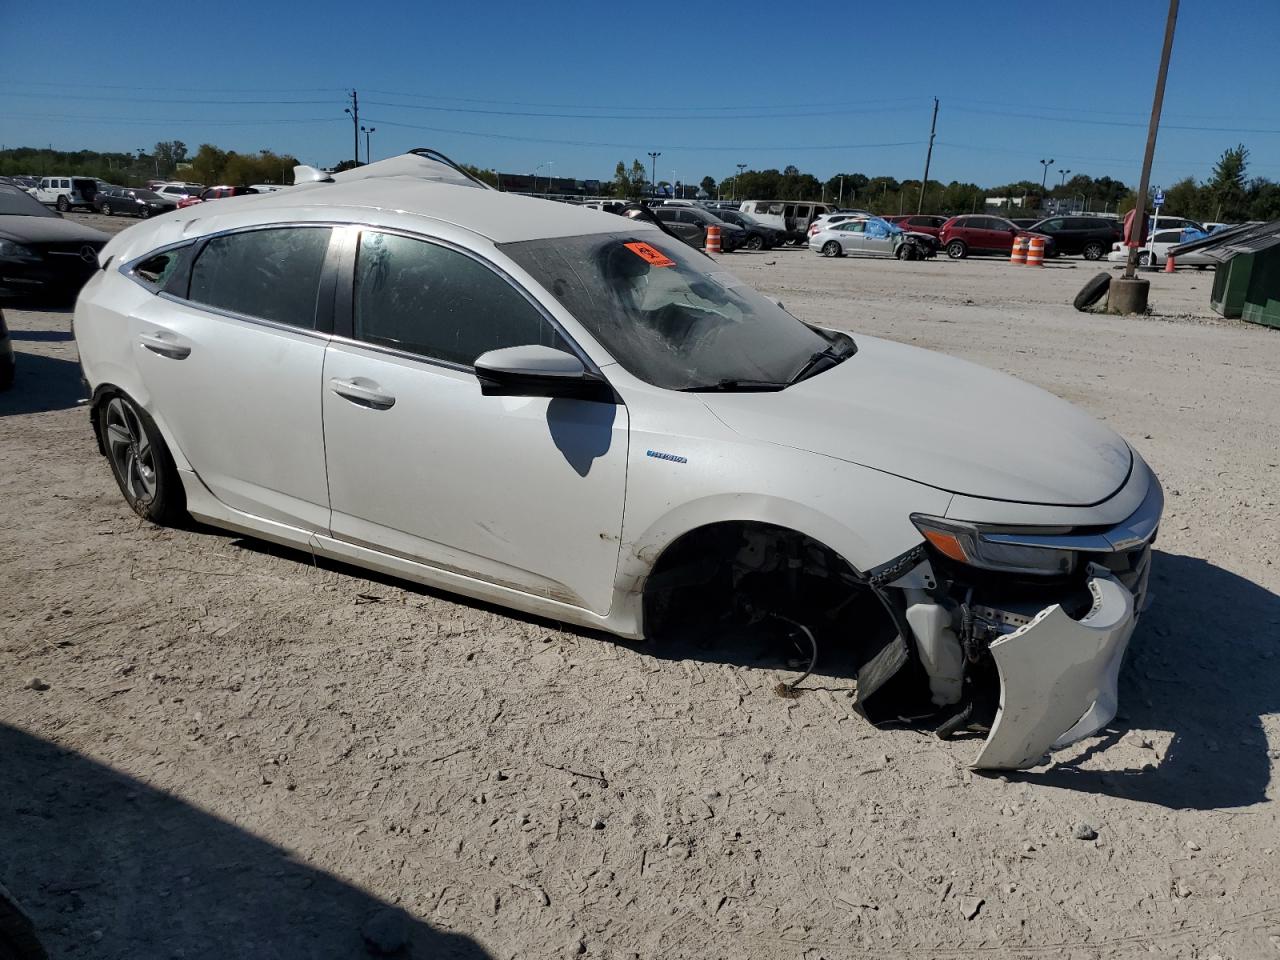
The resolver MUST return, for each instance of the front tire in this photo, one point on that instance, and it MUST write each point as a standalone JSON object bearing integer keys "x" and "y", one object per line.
{"x": 1093, "y": 251}
{"x": 957, "y": 250}
{"x": 832, "y": 249}
{"x": 140, "y": 461}
{"x": 755, "y": 242}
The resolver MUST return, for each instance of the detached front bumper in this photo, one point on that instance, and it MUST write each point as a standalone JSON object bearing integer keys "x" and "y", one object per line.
{"x": 1059, "y": 677}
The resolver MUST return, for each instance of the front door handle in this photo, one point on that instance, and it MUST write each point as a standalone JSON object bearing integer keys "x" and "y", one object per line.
{"x": 165, "y": 344}
{"x": 363, "y": 392}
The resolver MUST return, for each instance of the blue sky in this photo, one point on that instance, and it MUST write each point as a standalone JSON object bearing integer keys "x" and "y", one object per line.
{"x": 829, "y": 87}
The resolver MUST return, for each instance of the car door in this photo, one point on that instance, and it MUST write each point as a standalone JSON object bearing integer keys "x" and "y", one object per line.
{"x": 231, "y": 354}
{"x": 521, "y": 492}
{"x": 877, "y": 239}
{"x": 853, "y": 236}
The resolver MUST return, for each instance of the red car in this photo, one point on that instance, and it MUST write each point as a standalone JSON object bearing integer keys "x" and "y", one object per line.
{"x": 215, "y": 193}
{"x": 981, "y": 233}
{"x": 918, "y": 223}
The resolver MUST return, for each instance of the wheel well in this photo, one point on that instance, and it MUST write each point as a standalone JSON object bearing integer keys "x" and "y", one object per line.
{"x": 730, "y": 576}
{"x": 101, "y": 395}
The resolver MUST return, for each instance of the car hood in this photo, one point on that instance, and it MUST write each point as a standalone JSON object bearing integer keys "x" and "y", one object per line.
{"x": 47, "y": 230}
{"x": 940, "y": 421}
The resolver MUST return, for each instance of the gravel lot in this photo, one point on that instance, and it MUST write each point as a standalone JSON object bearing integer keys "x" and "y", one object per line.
{"x": 242, "y": 753}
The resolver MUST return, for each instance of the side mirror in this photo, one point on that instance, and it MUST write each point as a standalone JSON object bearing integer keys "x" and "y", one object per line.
{"x": 536, "y": 371}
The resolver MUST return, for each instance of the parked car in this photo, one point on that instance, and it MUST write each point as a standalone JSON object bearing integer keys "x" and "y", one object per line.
{"x": 1023, "y": 223}
{"x": 1157, "y": 251}
{"x": 130, "y": 202}
{"x": 790, "y": 217}
{"x": 607, "y": 206}
{"x": 67, "y": 193}
{"x": 830, "y": 219}
{"x": 179, "y": 191}
{"x": 731, "y": 236}
{"x": 7, "y": 364}
{"x": 216, "y": 193}
{"x": 918, "y": 223}
{"x": 1090, "y": 237}
{"x": 982, "y": 233}
{"x": 760, "y": 236}
{"x": 871, "y": 237}
{"x": 635, "y": 441}
{"x": 41, "y": 254}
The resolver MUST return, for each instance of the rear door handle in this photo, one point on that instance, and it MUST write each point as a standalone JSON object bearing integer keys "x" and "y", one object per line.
{"x": 365, "y": 393}
{"x": 165, "y": 344}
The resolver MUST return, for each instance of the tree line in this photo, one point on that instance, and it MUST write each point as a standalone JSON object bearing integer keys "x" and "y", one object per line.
{"x": 1227, "y": 195}
{"x": 167, "y": 160}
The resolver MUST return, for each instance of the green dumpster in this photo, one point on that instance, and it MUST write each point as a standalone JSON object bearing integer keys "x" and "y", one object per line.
{"x": 1231, "y": 285}
{"x": 1262, "y": 300}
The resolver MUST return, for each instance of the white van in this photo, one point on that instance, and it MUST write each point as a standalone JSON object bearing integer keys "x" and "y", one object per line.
{"x": 792, "y": 217}
{"x": 67, "y": 193}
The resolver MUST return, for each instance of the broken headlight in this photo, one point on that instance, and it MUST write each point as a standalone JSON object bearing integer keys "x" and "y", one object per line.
{"x": 981, "y": 546}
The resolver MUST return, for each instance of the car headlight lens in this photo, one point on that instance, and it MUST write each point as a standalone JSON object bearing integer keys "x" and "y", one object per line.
{"x": 10, "y": 248}
{"x": 969, "y": 543}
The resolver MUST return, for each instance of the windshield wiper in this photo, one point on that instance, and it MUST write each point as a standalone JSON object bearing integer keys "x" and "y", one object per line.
{"x": 811, "y": 366}
{"x": 729, "y": 385}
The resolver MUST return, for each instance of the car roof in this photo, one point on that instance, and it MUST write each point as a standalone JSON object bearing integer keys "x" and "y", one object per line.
{"x": 416, "y": 186}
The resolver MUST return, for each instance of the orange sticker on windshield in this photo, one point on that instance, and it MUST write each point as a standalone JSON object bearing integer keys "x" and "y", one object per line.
{"x": 650, "y": 255}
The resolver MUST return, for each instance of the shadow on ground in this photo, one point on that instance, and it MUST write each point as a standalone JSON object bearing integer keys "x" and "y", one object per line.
{"x": 40, "y": 384}
{"x": 108, "y": 867}
{"x": 1205, "y": 666}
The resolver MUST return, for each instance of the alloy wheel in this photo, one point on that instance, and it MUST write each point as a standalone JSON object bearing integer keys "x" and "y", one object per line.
{"x": 831, "y": 249}
{"x": 131, "y": 453}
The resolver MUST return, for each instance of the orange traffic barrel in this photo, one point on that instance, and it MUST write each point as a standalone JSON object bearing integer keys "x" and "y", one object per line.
{"x": 1019, "y": 252}
{"x": 1168, "y": 265}
{"x": 713, "y": 239}
{"x": 1035, "y": 252}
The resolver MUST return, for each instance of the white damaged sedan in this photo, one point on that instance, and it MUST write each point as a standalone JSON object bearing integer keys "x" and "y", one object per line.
{"x": 579, "y": 417}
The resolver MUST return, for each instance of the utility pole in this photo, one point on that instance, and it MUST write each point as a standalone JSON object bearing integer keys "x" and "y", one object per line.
{"x": 653, "y": 176}
{"x": 1157, "y": 104}
{"x": 354, "y": 112}
{"x": 368, "y": 132}
{"x": 928, "y": 157}
{"x": 741, "y": 167}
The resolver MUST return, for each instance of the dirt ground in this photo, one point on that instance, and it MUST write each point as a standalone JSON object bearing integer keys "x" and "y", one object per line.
{"x": 240, "y": 753}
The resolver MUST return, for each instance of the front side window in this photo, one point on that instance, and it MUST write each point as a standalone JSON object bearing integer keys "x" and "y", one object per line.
{"x": 427, "y": 299}
{"x": 272, "y": 274}
{"x": 670, "y": 316}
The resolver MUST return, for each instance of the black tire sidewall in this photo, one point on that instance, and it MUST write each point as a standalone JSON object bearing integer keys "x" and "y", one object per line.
{"x": 831, "y": 249}
{"x": 1093, "y": 246}
{"x": 960, "y": 250}
{"x": 1093, "y": 291}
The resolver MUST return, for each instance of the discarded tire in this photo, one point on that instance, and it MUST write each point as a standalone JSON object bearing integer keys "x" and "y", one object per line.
{"x": 1093, "y": 291}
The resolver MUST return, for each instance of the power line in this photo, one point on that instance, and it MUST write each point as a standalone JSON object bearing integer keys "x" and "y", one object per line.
{"x": 644, "y": 146}
{"x": 604, "y": 116}
{"x": 65, "y": 118}
{"x": 1112, "y": 123}
{"x": 611, "y": 106}
{"x": 221, "y": 103}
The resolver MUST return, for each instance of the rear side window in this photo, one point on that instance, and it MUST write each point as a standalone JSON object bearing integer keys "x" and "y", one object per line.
{"x": 271, "y": 274}
{"x": 427, "y": 299}
{"x": 164, "y": 271}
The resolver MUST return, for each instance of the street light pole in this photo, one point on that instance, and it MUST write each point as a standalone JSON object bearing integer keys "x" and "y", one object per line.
{"x": 653, "y": 175}
{"x": 1046, "y": 164}
{"x": 368, "y": 132}
{"x": 1063, "y": 174}
{"x": 741, "y": 167}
